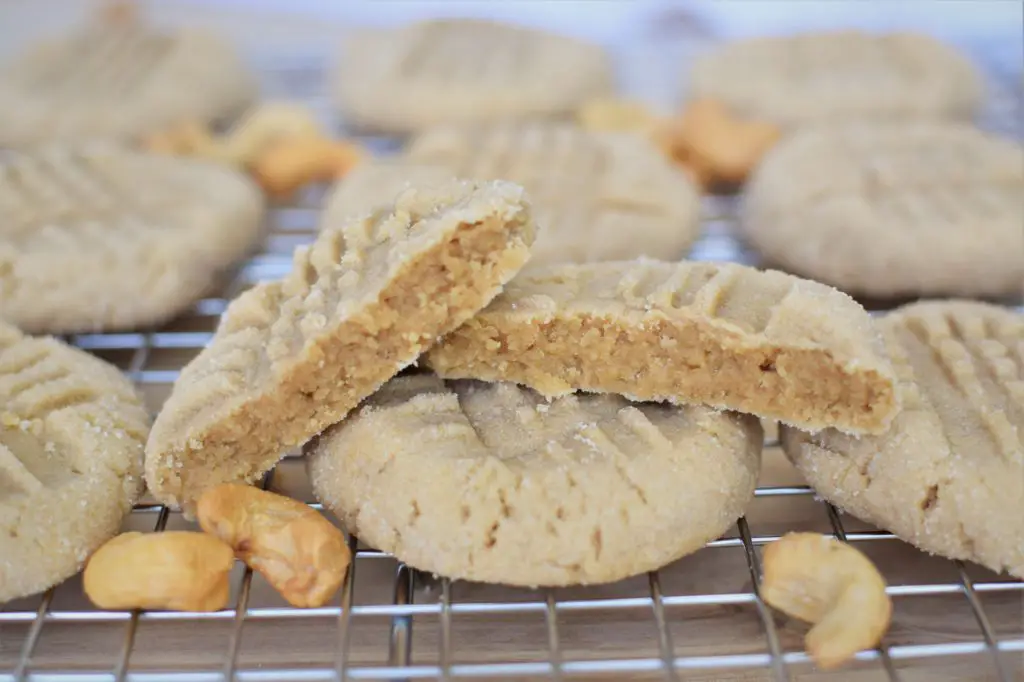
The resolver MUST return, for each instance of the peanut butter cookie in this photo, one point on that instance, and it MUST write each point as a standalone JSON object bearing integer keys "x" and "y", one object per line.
{"x": 72, "y": 431}
{"x": 948, "y": 475}
{"x": 491, "y": 482}
{"x": 724, "y": 335}
{"x": 119, "y": 80}
{"x": 460, "y": 71}
{"x": 893, "y": 210}
{"x": 294, "y": 356}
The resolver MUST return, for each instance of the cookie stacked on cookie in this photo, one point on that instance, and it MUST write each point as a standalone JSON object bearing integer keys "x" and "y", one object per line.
{"x": 589, "y": 417}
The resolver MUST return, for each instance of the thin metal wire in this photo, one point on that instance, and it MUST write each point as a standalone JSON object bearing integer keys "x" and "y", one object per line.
{"x": 554, "y": 647}
{"x": 778, "y": 665}
{"x": 991, "y": 641}
{"x": 400, "y": 634}
{"x": 664, "y": 636}
{"x": 21, "y": 669}
{"x": 121, "y": 669}
{"x": 241, "y": 606}
{"x": 883, "y": 653}
{"x": 345, "y": 615}
{"x": 444, "y": 656}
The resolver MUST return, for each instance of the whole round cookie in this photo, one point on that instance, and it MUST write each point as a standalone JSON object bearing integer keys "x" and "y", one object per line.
{"x": 834, "y": 75}
{"x": 460, "y": 71}
{"x": 892, "y": 210}
{"x": 96, "y": 236}
{"x": 364, "y": 301}
{"x": 119, "y": 81}
{"x": 72, "y": 431}
{"x": 948, "y": 477}
{"x": 490, "y": 482}
{"x": 596, "y": 196}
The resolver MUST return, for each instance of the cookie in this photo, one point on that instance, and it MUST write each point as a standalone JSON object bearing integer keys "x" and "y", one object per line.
{"x": 72, "y": 431}
{"x": 292, "y": 357}
{"x": 461, "y": 71}
{"x": 830, "y": 76}
{"x": 121, "y": 81}
{"x": 96, "y": 237}
{"x": 948, "y": 476}
{"x": 718, "y": 334}
{"x": 893, "y": 210}
{"x": 598, "y": 196}
{"x": 490, "y": 482}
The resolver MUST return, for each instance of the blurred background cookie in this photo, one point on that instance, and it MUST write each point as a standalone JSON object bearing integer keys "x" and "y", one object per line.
{"x": 458, "y": 71}
{"x": 97, "y": 237}
{"x": 893, "y": 210}
{"x": 835, "y": 75}
{"x": 596, "y": 196}
{"x": 119, "y": 79}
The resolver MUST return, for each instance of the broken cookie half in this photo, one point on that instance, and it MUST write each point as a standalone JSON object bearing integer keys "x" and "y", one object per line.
{"x": 292, "y": 357}
{"x": 723, "y": 335}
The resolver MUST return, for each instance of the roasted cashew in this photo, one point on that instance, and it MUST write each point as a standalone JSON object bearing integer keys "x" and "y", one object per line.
{"x": 294, "y": 547}
{"x": 173, "y": 570}
{"x": 821, "y": 580}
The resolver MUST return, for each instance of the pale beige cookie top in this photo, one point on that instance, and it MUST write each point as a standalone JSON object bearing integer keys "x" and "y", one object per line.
{"x": 597, "y": 196}
{"x": 71, "y": 437}
{"x": 948, "y": 476}
{"x": 119, "y": 81}
{"x": 720, "y": 334}
{"x": 490, "y": 482}
{"x": 460, "y": 71}
{"x": 292, "y": 357}
{"x": 97, "y": 236}
{"x": 901, "y": 209}
{"x": 834, "y": 75}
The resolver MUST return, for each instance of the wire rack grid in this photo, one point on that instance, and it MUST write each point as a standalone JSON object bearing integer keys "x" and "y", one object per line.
{"x": 701, "y": 618}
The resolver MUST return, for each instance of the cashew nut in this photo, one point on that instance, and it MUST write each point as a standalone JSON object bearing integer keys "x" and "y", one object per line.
{"x": 717, "y": 144}
{"x": 821, "y": 580}
{"x": 294, "y": 162}
{"x": 173, "y": 570}
{"x": 294, "y": 547}
{"x": 266, "y": 124}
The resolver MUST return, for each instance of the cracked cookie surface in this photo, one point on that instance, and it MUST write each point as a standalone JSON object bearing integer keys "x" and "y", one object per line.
{"x": 72, "y": 431}
{"x": 948, "y": 476}
{"x": 292, "y": 357}
{"x": 720, "y": 334}
{"x": 490, "y": 482}
{"x": 98, "y": 237}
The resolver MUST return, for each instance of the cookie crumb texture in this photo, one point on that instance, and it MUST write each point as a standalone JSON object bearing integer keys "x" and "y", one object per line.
{"x": 96, "y": 236}
{"x": 72, "y": 431}
{"x": 724, "y": 335}
{"x": 948, "y": 476}
{"x": 364, "y": 301}
{"x": 490, "y": 482}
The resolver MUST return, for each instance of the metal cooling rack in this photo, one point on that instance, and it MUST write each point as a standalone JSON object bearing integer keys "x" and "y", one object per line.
{"x": 701, "y": 618}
